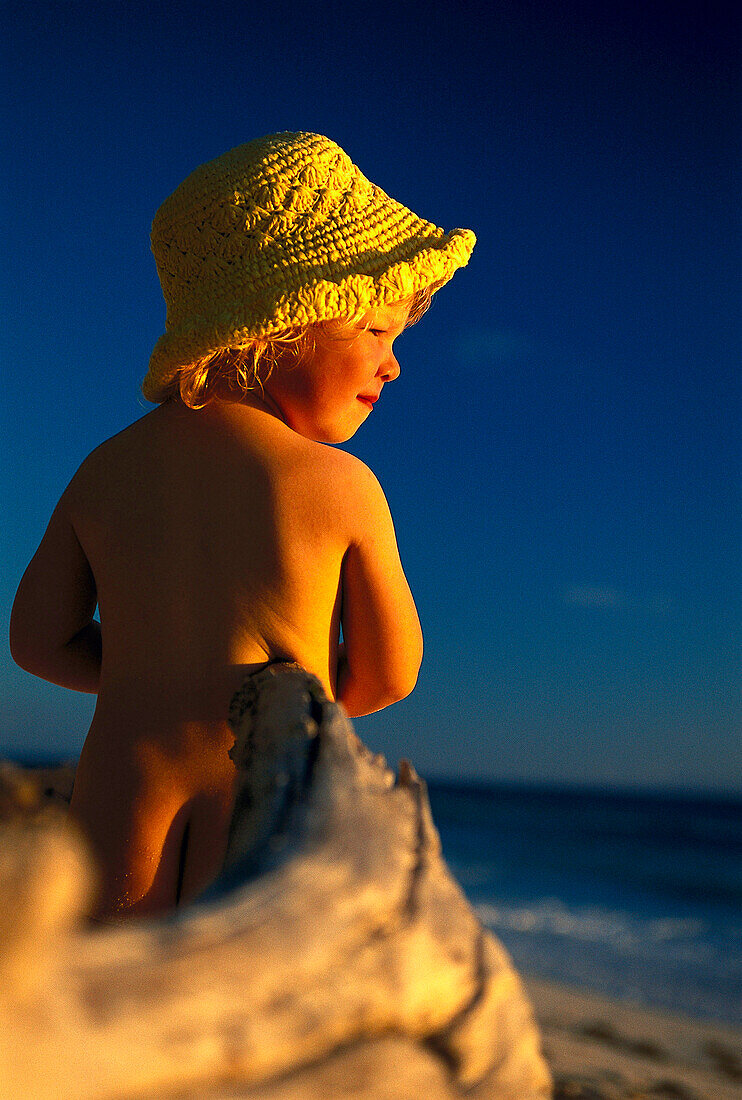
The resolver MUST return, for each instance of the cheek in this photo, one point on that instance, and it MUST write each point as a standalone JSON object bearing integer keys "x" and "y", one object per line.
{"x": 337, "y": 382}
{"x": 296, "y": 386}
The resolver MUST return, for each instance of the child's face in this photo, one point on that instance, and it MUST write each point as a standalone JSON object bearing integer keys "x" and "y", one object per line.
{"x": 328, "y": 395}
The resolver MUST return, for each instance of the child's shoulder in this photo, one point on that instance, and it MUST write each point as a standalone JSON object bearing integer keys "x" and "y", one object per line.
{"x": 341, "y": 469}
{"x": 345, "y": 470}
{"x": 351, "y": 489}
{"x": 104, "y": 462}
{"x": 328, "y": 480}
{"x": 115, "y": 468}
{"x": 331, "y": 481}
{"x": 326, "y": 469}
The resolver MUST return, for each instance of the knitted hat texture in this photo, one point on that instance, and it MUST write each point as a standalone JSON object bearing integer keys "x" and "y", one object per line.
{"x": 281, "y": 232}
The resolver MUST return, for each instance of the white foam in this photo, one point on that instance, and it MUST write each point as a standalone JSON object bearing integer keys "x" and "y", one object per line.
{"x": 592, "y": 924}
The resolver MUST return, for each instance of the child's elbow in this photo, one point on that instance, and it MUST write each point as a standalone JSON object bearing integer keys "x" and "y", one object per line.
{"x": 28, "y": 648}
{"x": 400, "y": 685}
{"x": 398, "y": 680}
{"x": 24, "y": 651}
{"x": 378, "y": 692}
{"x": 18, "y": 640}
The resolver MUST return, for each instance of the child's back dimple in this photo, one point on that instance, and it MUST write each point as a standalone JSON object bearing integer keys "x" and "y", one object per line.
{"x": 214, "y": 548}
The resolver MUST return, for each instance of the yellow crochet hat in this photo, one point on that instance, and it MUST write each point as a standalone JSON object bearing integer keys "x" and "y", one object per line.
{"x": 281, "y": 232}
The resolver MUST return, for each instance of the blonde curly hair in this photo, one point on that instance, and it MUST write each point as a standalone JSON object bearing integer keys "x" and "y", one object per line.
{"x": 238, "y": 370}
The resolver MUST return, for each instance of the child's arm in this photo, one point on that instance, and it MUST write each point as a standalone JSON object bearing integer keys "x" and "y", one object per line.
{"x": 52, "y": 630}
{"x": 383, "y": 645}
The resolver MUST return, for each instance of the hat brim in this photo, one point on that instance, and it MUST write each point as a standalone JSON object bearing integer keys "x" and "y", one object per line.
{"x": 377, "y": 278}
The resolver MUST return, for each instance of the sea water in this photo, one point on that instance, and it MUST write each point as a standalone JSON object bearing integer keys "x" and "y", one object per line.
{"x": 634, "y": 896}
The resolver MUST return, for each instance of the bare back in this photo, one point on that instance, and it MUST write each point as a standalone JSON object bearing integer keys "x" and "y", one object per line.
{"x": 216, "y": 545}
{"x": 213, "y": 541}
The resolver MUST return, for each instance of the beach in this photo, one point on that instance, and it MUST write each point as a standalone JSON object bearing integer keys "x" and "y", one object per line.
{"x": 599, "y": 1045}
{"x": 623, "y": 911}
{"x": 603, "y": 1049}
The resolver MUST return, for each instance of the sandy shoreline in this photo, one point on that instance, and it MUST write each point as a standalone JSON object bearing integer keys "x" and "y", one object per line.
{"x": 599, "y": 1049}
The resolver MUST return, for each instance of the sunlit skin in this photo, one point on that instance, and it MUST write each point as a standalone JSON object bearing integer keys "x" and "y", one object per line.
{"x": 213, "y": 541}
{"x": 328, "y": 396}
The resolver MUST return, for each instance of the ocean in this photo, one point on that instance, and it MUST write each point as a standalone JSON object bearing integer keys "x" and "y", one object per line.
{"x": 635, "y": 896}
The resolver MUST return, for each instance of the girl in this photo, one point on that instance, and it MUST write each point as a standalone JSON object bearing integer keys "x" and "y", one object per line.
{"x": 219, "y": 532}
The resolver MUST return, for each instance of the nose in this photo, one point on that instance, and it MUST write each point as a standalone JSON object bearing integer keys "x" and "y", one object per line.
{"x": 390, "y": 368}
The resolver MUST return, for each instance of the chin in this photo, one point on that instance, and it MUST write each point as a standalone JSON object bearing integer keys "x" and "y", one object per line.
{"x": 334, "y": 434}
{"x": 334, "y": 437}
{"x": 323, "y": 429}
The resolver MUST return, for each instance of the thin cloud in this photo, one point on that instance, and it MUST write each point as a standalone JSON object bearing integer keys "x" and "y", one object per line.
{"x": 656, "y": 604}
{"x": 593, "y": 595}
{"x": 495, "y": 345}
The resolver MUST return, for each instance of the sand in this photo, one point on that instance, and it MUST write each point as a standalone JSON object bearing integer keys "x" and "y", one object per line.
{"x": 600, "y": 1049}
{"x": 597, "y": 1048}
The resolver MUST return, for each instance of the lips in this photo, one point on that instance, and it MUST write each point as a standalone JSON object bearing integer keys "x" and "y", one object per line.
{"x": 368, "y": 399}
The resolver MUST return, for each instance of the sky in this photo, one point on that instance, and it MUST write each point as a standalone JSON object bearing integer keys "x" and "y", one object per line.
{"x": 561, "y": 450}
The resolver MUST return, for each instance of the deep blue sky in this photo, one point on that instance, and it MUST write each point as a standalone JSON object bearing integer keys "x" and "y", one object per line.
{"x": 561, "y": 451}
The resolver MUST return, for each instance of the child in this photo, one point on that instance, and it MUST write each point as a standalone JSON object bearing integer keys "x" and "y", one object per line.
{"x": 218, "y": 532}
